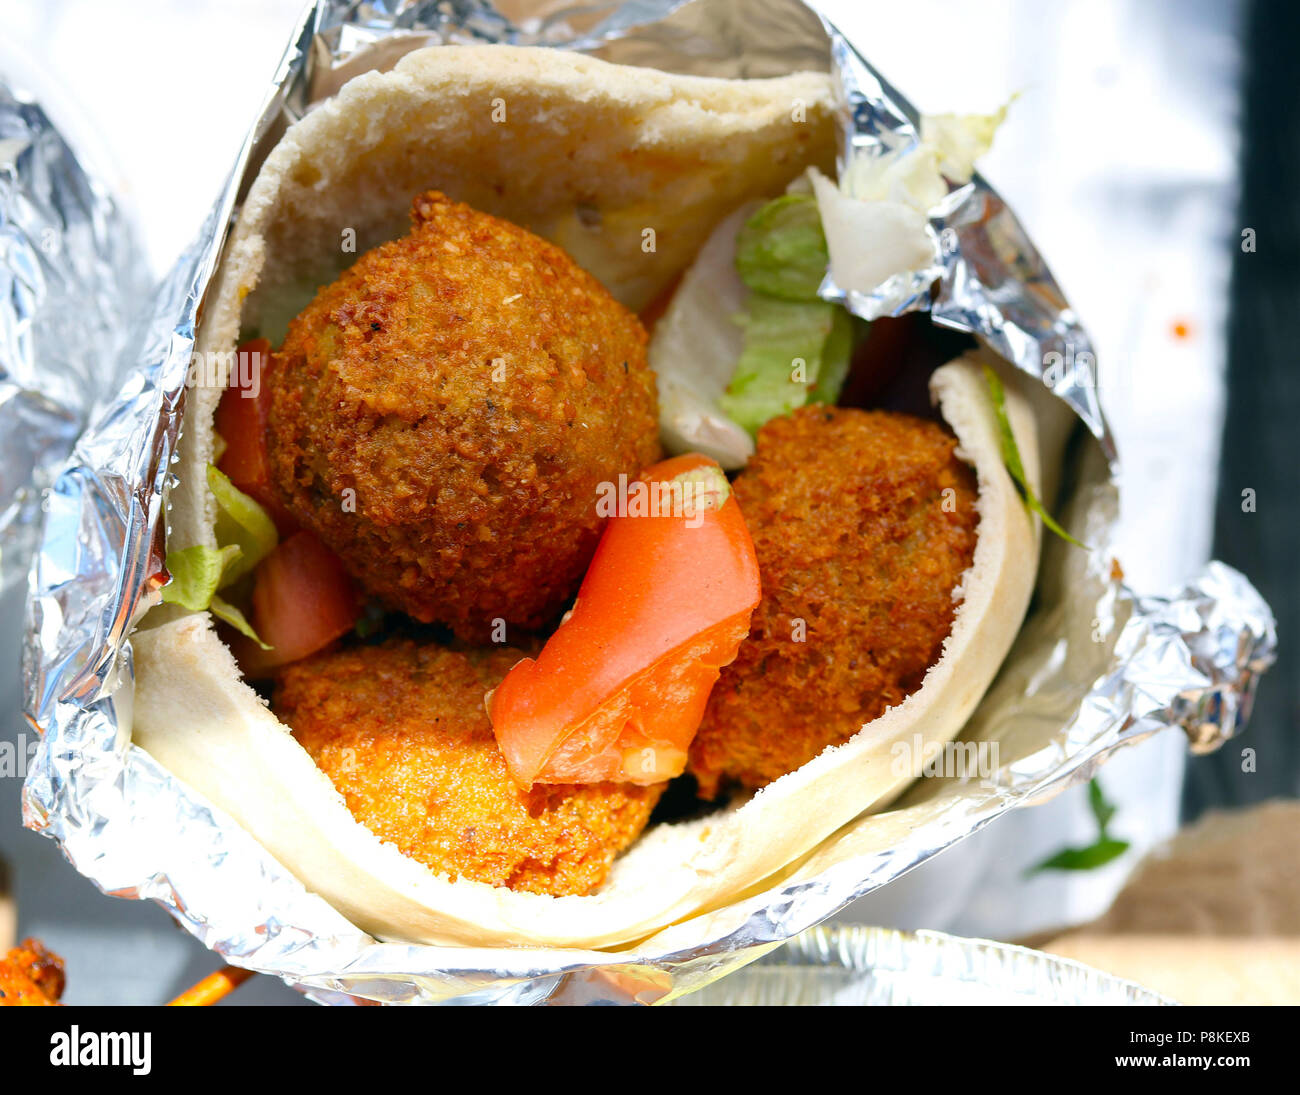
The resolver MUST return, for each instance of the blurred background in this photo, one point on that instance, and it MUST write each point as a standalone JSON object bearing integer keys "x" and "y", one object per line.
{"x": 1146, "y": 139}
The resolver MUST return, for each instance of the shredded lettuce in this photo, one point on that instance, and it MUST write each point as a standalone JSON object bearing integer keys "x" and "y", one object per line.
{"x": 877, "y": 217}
{"x": 871, "y": 240}
{"x": 197, "y": 574}
{"x": 1011, "y": 458}
{"x": 242, "y": 522}
{"x": 837, "y": 354}
{"x": 781, "y": 250}
{"x": 796, "y": 346}
{"x": 224, "y": 610}
{"x": 961, "y": 139}
{"x": 784, "y": 340}
{"x": 694, "y": 349}
{"x": 245, "y": 535}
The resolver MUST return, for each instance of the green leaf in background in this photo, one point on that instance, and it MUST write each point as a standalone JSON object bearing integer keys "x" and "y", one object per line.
{"x": 1102, "y": 810}
{"x": 781, "y": 250}
{"x": 1083, "y": 859}
{"x": 196, "y": 574}
{"x": 242, "y": 522}
{"x": 1104, "y": 849}
{"x": 1011, "y": 457}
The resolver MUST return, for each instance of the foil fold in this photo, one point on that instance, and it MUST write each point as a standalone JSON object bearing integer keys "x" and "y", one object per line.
{"x": 70, "y": 271}
{"x": 1120, "y": 665}
{"x": 856, "y": 966}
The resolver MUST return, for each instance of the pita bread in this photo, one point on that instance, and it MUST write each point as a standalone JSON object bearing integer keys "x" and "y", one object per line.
{"x": 590, "y": 156}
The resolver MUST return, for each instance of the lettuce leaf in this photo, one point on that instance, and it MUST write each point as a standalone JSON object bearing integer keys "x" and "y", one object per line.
{"x": 837, "y": 354}
{"x": 1011, "y": 458}
{"x": 877, "y": 216}
{"x": 245, "y": 535}
{"x": 224, "y": 610}
{"x": 694, "y": 349}
{"x": 961, "y": 139}
{"x": 781, "y": 250}
{"x": 796, "y": 347}
{"x": 784, "y": 345}
{"x": 242, "y": 522}
{"x": 197, "y": 574}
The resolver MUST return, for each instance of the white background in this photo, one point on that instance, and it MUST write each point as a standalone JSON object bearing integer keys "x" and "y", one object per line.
{"x": 1119, "y": 158}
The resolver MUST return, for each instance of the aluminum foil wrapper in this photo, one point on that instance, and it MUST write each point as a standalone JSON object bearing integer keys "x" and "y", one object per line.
{"x": 1095, "y": 668}
{"x": 70, "y": 270}
{"x": 851, "y": 965}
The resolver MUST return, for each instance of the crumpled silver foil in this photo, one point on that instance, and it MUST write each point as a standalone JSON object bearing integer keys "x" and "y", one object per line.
{"x": 1096, "y": 666}
{"x": 980, "y": 248}
{"x": 850, "y": 965}
{"x": 70, "y": 269}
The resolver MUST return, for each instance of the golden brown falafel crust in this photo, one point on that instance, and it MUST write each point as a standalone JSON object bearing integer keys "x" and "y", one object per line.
{"x": 863, "y": 523}
{"x": 442, "y": 415}
{"x": 401, "y": 731}
{"x": 31, "y": 976}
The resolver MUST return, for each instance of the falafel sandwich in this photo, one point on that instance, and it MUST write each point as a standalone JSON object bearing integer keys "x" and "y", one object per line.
{"x": 546, "y": 576}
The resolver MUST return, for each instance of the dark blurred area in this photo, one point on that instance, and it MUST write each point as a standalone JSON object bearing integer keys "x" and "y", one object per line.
{"x": 1257, "y": 522}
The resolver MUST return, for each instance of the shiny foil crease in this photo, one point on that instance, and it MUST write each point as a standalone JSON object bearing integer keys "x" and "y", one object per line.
{"x": 1095, "y": 668}
{"x": 69, "y": 271}
{"x": 853, "y": 966}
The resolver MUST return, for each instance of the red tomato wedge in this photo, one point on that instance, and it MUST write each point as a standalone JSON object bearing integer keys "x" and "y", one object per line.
{"x": 619, "y": 690}
{"x": 241, "y": 422}
{"x": 303, "y": 600}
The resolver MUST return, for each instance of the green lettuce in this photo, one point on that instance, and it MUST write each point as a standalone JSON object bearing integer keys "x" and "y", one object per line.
{"x": 1011, "y": 458}
{"x": 837, "y": 354}
{"x": 790, "y": 348}
{"x": 781, "y": 250}
{"x": 197, "y": 573}
{"x": 797, "y": 348}
{"x": 242, "y": 522}
{"x": 245, "y": 536}
{"x": 224, "y": 610}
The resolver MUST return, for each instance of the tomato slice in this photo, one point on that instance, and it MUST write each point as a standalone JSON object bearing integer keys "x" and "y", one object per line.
{"x": 241, "y": 422}
{"x": 303, "y": 600}
{"x": 619, "y": 690}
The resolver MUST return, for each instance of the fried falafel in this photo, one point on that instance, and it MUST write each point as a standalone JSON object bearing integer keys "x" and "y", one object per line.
{"x": 401, "y": 731}
{"x": 441, "y": 417}
{"x": 864, "y": 523}
{"x": 31, "y": 976}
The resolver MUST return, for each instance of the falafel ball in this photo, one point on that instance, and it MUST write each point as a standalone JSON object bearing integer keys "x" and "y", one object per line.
{"x": 31, "y": 976}
{"x": 401, "y": 731}
{"x": 863, "y": 523}
{"x": 441, "y": 417}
